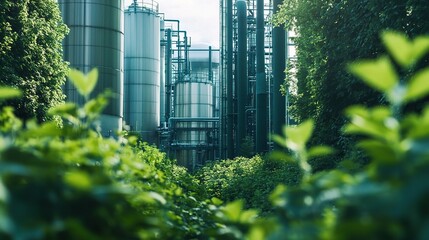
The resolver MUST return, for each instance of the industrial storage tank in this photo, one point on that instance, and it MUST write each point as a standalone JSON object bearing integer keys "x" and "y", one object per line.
{"x": 142, "y": 69}
{"x": 194, "y": 99}
{"x": 193, "y": 124}
{"x": 96, "y": 41}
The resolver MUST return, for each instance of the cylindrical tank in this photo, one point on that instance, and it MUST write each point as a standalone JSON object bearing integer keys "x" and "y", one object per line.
{"x": 142, "y": 69}
{"x": 96, "y": 41}
{"x": 194, "y": 100}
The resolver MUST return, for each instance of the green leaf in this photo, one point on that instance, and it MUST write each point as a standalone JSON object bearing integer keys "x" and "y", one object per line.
{"x": 404, "y": 51}
{"x": 78, "y": 179}
{"x": 256, "y": 233}
{"x": 248, "y": 216}
{"x": 8, "y": 92}
{"x": 233, "y": 210}
{"x": 320, "y": 151}
{"x": 378, "y": 150}
{"x": 418, "y": 86}
{"x": 297, "y": 137}
{"x": 83, "y": 83}
{"x": 216, "y": 201}
{"x": 378, "y": 73}
{"x": 149, "y": 197}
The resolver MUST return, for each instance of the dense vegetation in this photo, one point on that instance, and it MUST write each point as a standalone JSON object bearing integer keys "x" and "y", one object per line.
{"x": 68, "y": 182}
{"x": 71, "y": 183}
{"x": 31, "y": 32}
{"x": 250, "y": 179}
{"x": 330, "y": 34}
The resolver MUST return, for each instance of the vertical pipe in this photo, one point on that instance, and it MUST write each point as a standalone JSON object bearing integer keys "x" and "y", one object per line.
{"x": 261, "y": 85}
{"x": 241, "y": 72}
{"x": 210, "y": 65}
{"x": 168, "y": 76}
{"x": 212, "y": 82}
{"x": 279, "y": 65}
{"x": 229, "y": 80}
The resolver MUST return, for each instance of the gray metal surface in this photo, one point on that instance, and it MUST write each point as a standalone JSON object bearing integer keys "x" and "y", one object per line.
{"x": 194, "y": 99}
{"x": 96, "y": 40}
{"x": 142, "y": 71}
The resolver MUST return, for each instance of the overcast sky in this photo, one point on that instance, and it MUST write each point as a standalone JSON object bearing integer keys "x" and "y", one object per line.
{"x": 200, "y": 18}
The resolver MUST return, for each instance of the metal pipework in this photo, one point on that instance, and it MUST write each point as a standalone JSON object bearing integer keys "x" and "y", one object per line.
{"x": 241, "y": 72}
{"x": 168, "y": 76}
{"x": 261, "y": 84}
{"x": 229, "y": 80}
{"x": 279, "y": 65}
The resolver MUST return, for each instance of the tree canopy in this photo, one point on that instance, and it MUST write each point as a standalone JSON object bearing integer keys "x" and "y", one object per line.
{"x": 31, "y": 32}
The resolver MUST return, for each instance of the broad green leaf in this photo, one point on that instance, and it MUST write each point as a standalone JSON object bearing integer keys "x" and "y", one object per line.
{"x": 418, "y": 86}
{"x": 78, "y": 179}
{"x": 378, "y": 73}
{"x": 83, "y": 83}
{"x": 378, "y": 150}
{"x": 248, "y": 216}
{"x": 420, "y": 46}
{"x": 8, "y": 92}
{"x": 216, "y": 201}
{"x": 320, "y": 151}
{"x": 403, "y": 50}
{"x": 256, "y": 233}
{"x": 297, "y": 137}
{"x": 92, "y": 78}
{"x": 399, "y": 46}
{"x": 233, "y": 210}
{"x": 150, "y": 197}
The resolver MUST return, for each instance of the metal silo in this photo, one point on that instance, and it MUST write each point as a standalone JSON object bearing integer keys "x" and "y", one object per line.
{"x": 193, "y": 107}
{"x": 142, "y": 69}
{"x": 96, "y": 40}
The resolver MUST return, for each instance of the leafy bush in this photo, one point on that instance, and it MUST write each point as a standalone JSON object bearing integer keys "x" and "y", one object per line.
{"x": 249, "y": 179}
{"x": 71, "y": 183}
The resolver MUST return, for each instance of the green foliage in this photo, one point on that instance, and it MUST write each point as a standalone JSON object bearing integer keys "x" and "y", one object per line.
{"x": 332, "y": 33}
{"x": 70, "y": 183}
{"x": 31, "y": 33}
{"x": 84, "y": 83}
{"x": 250, "y": 179}
{"x": 385, "y": 200}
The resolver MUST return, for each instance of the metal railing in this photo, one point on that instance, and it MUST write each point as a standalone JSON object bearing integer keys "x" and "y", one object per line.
{"x": 146, "y": 4}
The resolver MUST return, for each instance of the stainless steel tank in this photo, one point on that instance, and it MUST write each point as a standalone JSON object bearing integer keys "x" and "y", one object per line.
{"x": 142, "y": 69}
{"x": 194, "y": 102}
{"x": 194, "y": 99}
{"x": 96, "y": 41}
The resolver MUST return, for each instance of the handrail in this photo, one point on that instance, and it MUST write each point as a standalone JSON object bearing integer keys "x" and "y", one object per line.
{"x": 145, "y": 4}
